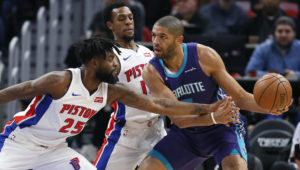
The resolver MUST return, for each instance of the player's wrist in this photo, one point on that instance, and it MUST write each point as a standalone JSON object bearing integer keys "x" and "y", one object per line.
{"x": 213, "y": 118}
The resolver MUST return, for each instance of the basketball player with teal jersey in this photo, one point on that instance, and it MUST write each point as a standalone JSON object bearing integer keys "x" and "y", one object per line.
{"x": 190, "y": 84}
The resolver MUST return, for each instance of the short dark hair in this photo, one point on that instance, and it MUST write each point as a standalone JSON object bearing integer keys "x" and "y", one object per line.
{"x": 95, "y": 47}
{"x": 173, "y": 24}
{"x": 284, "y": 20}
{"x": 108, "y": 10}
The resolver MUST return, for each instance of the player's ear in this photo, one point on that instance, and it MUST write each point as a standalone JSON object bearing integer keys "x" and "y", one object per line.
{"x": 94, "y": 62}
{"x": 179, "y": 39}
{"x": 109, "y": 24}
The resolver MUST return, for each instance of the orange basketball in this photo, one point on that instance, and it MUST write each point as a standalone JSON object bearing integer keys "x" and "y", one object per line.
{"x": 272, "y": 92}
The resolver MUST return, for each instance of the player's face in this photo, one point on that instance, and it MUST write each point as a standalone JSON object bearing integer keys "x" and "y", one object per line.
{"x": 108, "y": 69}
{"x": 284, "y": 35}
{"x": 122, "y": 23}
{"x": 163, "y": 41}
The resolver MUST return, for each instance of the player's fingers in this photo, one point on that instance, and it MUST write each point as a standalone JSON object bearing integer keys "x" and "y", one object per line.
{"x": 233, "y": 110}
{"x": 232, "y": 114}
{"x": 225, "y": 105}
{"x": 230, "y": 106}
{"x": 236, "y": 121}
{"x": 233, "y": 120}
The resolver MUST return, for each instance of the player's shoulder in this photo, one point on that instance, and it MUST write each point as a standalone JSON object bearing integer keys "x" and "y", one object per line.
{"x": 124, "y": 54}
{"x": 204, "y": 47}
{"x": 204, "y": 50}
{"x": 142, "y": 47}
{"x": 59, "y": 76}
{"x": 207, "y": 54}
{"x": 57, "y": 82}
{"x": 146, "y": 52}
{"x": 123, "y": 51}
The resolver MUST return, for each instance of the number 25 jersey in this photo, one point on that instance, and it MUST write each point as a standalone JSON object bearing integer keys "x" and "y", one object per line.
{"x": 48, "y": 122}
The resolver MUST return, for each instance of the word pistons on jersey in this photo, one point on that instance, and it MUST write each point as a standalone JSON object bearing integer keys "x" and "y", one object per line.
{"x": 78, "y": 110}
{"x": 134, "y": 72}
{"x": 189, "y": 89}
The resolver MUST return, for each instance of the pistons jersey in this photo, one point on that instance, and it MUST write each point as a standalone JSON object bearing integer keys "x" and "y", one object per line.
{"x": 48, "y": 122}
{"x": 132, "y": 63}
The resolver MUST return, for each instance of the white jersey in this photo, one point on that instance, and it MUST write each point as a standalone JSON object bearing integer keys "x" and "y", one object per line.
{"x": 48, "y": 122}
{"x": 131, "y": 133}
{"x": 132, "y": 64}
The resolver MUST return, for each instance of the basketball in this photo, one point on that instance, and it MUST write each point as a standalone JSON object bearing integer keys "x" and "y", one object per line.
{"x": 272, "y": 92}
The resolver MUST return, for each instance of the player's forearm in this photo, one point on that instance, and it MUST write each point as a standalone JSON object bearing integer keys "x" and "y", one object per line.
{"x": 172, "y": 107}
{"x": 248, "y": 103}
{"x": 18, "y": 91}
{"x": 197, "y": 120}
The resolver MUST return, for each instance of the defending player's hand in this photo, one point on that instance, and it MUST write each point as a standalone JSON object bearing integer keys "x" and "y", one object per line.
{"x": 226, "y": 112}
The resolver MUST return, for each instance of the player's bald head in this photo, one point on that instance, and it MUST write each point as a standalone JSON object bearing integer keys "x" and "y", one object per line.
{"x": 173, "y": 25}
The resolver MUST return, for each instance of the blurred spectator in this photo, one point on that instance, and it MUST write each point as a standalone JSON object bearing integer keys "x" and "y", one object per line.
{"x": 226, "y": 16}
{"x": 188, "y": 12}
{"x": 256, "y": 6}
{"x": 156, "y": 9}
{"x": 261, "y": 27}
{"x": 281, "y": 54}
{"x": 137, "y": 8}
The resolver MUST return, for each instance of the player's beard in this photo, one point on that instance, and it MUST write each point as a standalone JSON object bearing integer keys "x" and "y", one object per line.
{"x": 128, "y": 38}
{"x": 169, "y": 50}
{"x": 105, "y": 76}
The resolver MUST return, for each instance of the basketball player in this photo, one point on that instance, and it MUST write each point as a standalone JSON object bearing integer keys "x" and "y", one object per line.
{"x": 193, "y": 72}
{"x": 138, "y": 131}
{"x": 65, "y": 100}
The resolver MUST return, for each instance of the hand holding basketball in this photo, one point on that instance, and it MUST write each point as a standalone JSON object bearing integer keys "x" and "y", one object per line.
{"x": 273, "y": 92}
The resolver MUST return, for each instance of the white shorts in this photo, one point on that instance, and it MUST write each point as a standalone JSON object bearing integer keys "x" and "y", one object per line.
{"x": 134, "y": 142}
{"x": 22, "y": 156}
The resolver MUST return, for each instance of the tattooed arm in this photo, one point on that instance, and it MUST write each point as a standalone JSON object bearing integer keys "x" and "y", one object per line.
{"x": 165, "y": 106}
{"x": 170, "y": 107}
{"x": 54, "y": 84}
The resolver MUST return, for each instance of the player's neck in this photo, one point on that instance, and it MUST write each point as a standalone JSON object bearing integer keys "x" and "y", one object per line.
{"x": 129, "y": 45}
{"x": 88, "y": 80}
{"x": 174, "y": 59}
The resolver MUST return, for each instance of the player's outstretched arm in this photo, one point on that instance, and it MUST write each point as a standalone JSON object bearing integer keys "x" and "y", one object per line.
{"x": 212, "y": 65}
{"x": 53, "y": 83}
{"x": 164, "y": 106}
